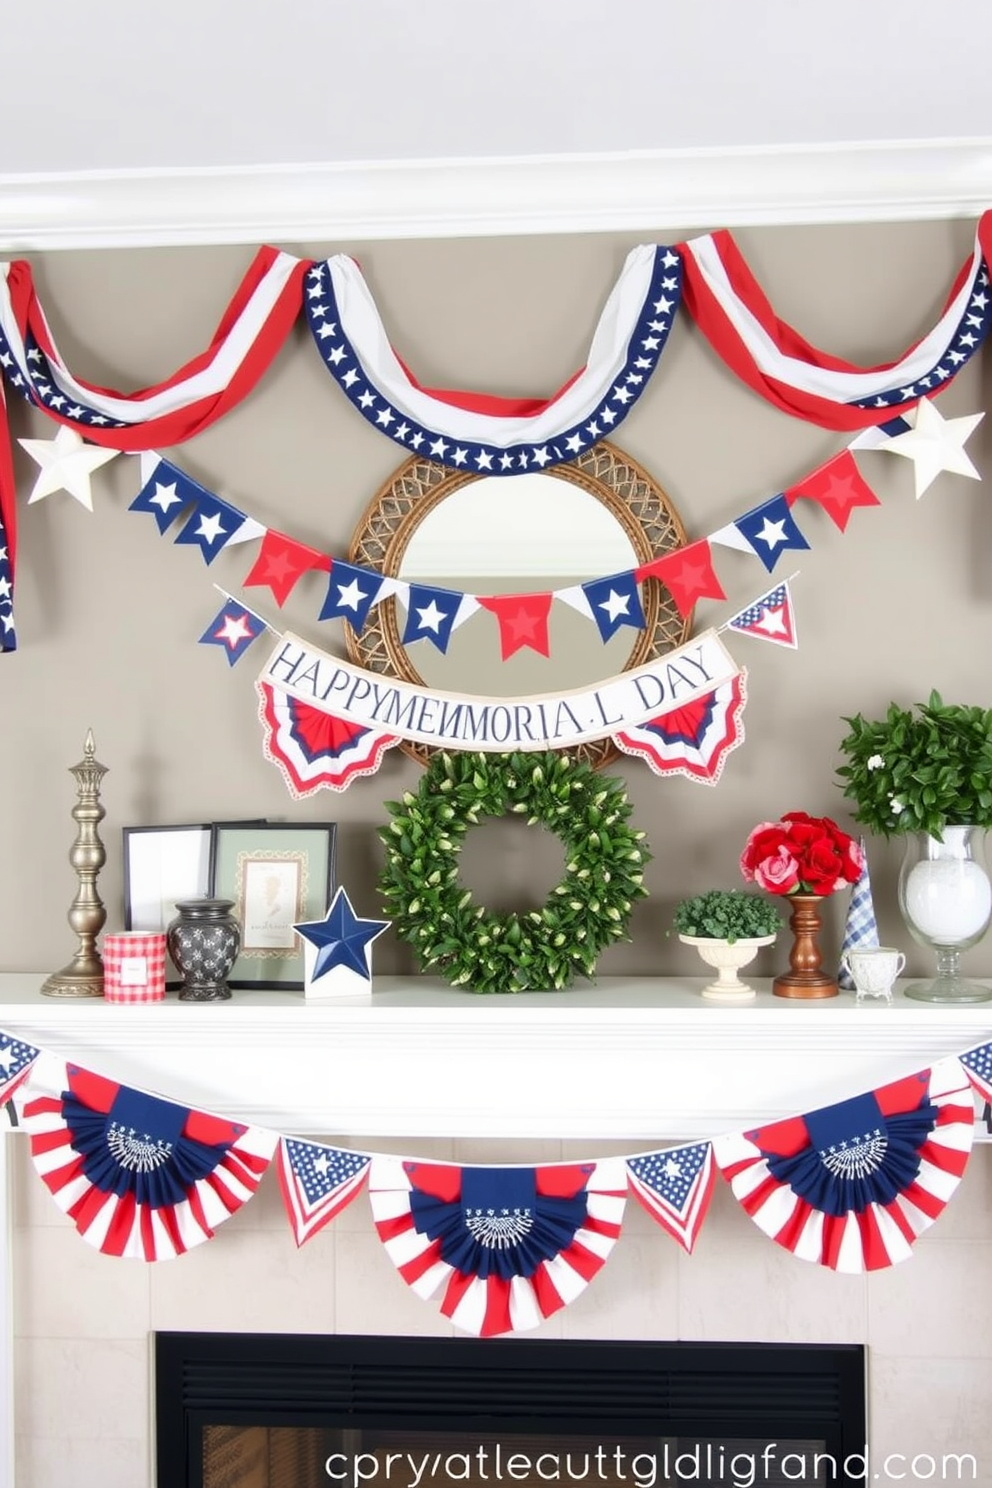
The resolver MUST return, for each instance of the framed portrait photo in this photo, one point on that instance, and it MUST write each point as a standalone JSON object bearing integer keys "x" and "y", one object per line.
{"x": 278, "y": 874}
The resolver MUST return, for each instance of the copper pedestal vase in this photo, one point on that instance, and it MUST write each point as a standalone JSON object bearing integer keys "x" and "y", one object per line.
{"x": 805, "y": 979}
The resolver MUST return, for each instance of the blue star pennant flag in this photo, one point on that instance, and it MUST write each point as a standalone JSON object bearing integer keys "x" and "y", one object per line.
{"x": 211, "y": 525}
{"x": 8, "y": 633}
{"x": 675, "y": 1187}
{"x": 168, "y": 492}
{"x": 234, "y": 628}
{"x": 431, "y": 614}
{"x": 317, "y": 1182}
{"x": 770, "y": 530}
{"x": 16, "y": 1059}
{"x": 860, "y": 928}
{"x": 614, "y": 601}
{"x": 978, "y": 1067}
{"x": 770, "y": 618}
{"x": 342, "y": 938}
{"x": 351, "y": 593}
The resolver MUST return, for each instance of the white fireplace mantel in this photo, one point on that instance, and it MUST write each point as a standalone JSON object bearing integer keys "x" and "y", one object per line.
{"x": 628, "y": 1059}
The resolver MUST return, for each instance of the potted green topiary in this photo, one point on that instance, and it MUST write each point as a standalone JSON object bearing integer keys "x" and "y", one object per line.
{"x": 727, "y": 927}
{"x": 925, "y": 773}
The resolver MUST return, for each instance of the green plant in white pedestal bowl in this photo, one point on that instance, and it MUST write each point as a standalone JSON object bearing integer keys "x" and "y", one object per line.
{"x": 727, "y": 927}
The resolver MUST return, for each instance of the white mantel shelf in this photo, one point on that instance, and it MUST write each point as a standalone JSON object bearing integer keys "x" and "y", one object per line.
{"x": 628, "y": 1059}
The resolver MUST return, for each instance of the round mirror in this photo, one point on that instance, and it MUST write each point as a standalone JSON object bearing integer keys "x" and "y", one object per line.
{"x": 485, "y": 535}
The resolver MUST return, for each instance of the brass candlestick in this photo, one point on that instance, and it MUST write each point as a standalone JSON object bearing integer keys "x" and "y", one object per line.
{"x": 83, "y": 977}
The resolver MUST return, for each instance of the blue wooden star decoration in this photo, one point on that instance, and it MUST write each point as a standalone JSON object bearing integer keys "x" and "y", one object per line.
{"x": 342, "y": 938}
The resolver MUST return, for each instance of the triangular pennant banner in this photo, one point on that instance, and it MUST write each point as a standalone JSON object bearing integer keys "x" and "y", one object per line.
{"x": 675, "y": 1187}
{"x": 770, "y": 618}
{"x": 317, "y": 1182}
{"x": 166, "y": 493}
{"x": 16, "y": 1059}
{"x": 431, "y": 614}
{"x": 978, "y": 1067}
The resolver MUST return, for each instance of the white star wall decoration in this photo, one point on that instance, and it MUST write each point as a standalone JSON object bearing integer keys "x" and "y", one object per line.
{"x": 66, "y": 462}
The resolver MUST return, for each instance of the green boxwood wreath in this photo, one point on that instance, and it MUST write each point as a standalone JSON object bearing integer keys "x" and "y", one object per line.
{"x": 544, "y": 948}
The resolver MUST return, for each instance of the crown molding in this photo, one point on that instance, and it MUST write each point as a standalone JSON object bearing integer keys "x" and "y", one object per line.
{"x": 644, "y": 191}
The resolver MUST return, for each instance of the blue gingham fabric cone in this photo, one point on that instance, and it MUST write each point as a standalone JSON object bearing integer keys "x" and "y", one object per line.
{"x": 861, "y": 928}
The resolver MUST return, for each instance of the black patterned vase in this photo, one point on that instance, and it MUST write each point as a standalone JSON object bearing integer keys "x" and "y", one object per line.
{"x": 203, "y": 941}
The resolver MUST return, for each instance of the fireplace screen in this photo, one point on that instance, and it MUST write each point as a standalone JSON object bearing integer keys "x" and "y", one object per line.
{"x": 276, "y": 1411}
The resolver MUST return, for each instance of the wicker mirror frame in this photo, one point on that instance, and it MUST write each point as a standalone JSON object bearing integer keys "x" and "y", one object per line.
{"x": 637, "y": 502}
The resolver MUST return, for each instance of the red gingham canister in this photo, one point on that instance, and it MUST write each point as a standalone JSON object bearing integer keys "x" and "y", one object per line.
{"x": 134, "y": 966}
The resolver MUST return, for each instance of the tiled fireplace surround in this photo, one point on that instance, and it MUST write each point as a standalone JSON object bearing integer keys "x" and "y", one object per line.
{"x": 82, "y": 1322}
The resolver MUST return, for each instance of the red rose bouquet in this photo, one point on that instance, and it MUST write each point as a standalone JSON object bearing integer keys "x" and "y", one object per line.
{"x": 801, "y": 855}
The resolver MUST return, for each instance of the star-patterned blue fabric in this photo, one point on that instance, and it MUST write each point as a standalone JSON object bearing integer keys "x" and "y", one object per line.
{"x": 342, "y": 938}
{"x": 978, "y": 1065}
{"x": 8, "y": 632}
{"x": 234, "y": 628}
{"x": 614, "y": 601}
{"x": 211, "y": 525}
{"x": 351, "y": 593}
{"x": 770, "y": 529}
{"x": 967, "y": 339}
{"x": 647, "y": 343}
{"x": 167, "y": 493}
{"x": 430, "y": 615}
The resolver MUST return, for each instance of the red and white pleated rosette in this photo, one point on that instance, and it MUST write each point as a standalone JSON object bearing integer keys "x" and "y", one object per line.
{"x": 851, "y": 1186}
{"x": 140, "y": 1177}
{"x": 505, "y": 1247}
{"x": 693, "y": 740}
{"x": 313, "y": 749}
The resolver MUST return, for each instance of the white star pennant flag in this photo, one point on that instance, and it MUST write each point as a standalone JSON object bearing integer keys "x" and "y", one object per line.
{"x": 935, "y": 444}
{"x": 67, "y": 462}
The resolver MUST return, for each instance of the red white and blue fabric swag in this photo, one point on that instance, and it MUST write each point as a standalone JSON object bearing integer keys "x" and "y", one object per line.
{"x": 852, "y": 1185}
{"x": 730, "y": 308}
{"x": 507, "y": 1247}
{"x": 477, "y": 431}
{"x": 139, "y": 1176}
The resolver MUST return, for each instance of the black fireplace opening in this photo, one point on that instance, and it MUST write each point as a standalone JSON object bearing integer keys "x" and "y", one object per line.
{"x": 236, "y": 1410}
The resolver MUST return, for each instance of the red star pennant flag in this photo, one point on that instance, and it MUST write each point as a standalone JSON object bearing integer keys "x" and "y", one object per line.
{"x": 317, "y": 1182}
{"x": 687, "y": 574}
{"x": 770, "y": 618}
{"x": 281, "y": 562}
{"x": 838, "y": 486}
{"x": 523, "y": 621}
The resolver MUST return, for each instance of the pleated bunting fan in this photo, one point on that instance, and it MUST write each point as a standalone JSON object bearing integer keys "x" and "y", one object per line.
{"x": 851, "y": 1186}
{"x": 506, "y": 1247}
{"x": 139, "y": 1176}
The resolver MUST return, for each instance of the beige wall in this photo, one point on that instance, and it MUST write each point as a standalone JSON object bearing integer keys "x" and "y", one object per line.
{"x": 109, "y": 614}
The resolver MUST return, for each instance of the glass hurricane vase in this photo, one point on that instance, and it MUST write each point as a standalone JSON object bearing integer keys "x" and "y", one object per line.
{"x": 945, "y": 897}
